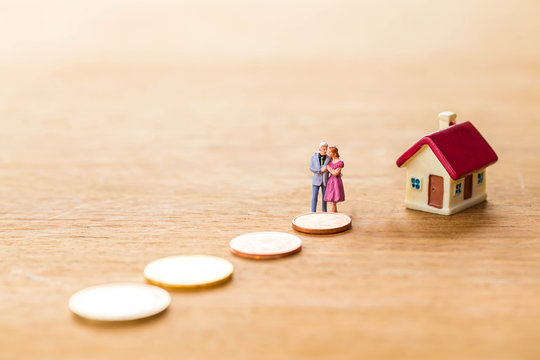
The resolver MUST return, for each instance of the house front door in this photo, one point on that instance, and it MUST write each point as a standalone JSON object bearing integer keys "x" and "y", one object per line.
{"x": 436, "y": 191}
{"x": 467, "y": 192}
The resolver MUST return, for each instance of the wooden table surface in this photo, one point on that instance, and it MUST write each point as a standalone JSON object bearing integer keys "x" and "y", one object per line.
{"x": 133, "y": 133}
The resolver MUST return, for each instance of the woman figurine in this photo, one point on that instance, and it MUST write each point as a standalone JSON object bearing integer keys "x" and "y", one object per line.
{"x": 334, "y": 187}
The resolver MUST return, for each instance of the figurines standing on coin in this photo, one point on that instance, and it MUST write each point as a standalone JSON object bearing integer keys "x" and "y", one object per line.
{"x": 318, "y": 166}
{"x": 334, "y": 188}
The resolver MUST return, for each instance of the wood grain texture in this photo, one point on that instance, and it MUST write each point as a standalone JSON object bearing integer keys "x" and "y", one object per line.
{"x": 110, "y": 161}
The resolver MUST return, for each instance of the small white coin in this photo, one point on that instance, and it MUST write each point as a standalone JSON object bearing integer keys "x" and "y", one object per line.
{"x": 119, "y": 302}
{"x": 188, "y": 271}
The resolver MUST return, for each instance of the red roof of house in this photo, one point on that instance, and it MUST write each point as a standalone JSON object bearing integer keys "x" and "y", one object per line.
{"x": 460, "y": 148}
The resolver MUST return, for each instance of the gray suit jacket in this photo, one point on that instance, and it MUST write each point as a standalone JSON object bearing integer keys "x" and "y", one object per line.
{"x": 319, "y": 177}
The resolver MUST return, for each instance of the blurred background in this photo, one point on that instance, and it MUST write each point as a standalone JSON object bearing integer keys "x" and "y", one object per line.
{"x": 108, "y": 78}
{"x": 193, "y": 30}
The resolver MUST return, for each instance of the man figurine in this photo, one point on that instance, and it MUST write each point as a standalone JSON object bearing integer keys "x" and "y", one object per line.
{"x": 318, "y": 164}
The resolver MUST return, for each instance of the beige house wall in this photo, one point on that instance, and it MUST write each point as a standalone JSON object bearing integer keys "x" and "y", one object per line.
{"x": 457, "y": 202}
{"x": 420, "y": 166}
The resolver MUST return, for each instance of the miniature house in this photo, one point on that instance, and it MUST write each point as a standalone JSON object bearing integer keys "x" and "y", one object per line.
{"x": 446, "y": 170}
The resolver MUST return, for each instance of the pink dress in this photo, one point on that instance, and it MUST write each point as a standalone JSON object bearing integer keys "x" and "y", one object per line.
{"x": 334, "y": 186}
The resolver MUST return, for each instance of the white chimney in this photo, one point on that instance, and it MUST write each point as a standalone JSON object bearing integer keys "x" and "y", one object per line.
{"x": 447, "y": 119}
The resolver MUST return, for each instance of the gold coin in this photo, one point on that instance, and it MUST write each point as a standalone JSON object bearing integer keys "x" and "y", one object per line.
{"x": 119, "y": 302}
{"x": 322, "y": 223}
{"x": 188, "y": 271}
{"x": 265, "y": 245}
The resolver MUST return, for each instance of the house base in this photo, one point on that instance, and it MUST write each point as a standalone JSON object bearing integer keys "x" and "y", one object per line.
{"x": 445, "y": 210}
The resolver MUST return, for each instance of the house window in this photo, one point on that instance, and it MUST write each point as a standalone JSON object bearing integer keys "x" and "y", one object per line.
{"x": 458, "y": 188}
{"x": 416, "y": 183}
{"x": 480, "y": 178}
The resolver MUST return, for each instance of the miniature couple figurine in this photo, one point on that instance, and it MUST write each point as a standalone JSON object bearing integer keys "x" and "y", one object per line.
{"x": 325, "y": 162}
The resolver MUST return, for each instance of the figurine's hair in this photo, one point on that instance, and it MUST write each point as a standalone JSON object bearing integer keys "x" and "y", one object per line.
{"x": 334, "y": 150}
{"x": 324, "y": 143}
